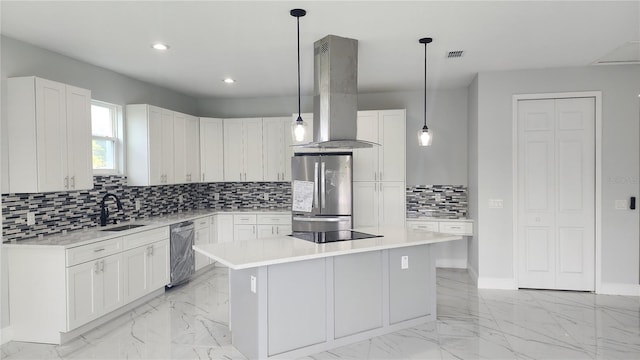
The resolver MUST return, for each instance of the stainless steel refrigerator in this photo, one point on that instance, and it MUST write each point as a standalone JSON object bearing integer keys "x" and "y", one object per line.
{"x": 331, "y": 174}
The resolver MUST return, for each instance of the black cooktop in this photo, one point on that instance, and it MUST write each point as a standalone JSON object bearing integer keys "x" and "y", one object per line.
{"x": 331, "y": 236}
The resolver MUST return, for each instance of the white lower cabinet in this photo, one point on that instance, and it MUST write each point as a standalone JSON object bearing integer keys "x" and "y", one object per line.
{"x": 81, "y": 284}
{"x": 224, "y": 228}
{"x": 93, "y": 289}
{"x": 259, "y": 226}
{"x": 202, "y": 237}
{"x": 244, "y": 232}
{"x": 378, "y": 203}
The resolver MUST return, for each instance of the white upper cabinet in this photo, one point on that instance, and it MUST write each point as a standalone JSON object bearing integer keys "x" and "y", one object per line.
{"x": 211, "y": 150}
{"x": 276, "y": 138}
{"x": 150, "y": 145}
{"x": 387, "y": 161}
{"x": 49, "y": 136}
{"x": 186, "y": 144}
{"x": 243, "y": 149}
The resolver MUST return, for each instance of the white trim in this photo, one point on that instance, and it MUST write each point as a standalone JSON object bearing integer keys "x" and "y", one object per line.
{"x": 6, "y": 335}
{"x": 597, "y": 95}
{"x": 497, "y": 283}
{"x": 619, "y": 289}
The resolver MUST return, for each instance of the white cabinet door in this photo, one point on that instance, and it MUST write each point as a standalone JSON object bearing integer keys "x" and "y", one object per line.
{"x": 266, "y": 231}
{"x": 211, "y": 150}
{"x": 233, "y": 150}
{"x": 392, "y": 208}
{"x": 202, "y": 237}
{"x": 81, "y": 285}
{"x": 224, "y": 228}
{"x": 365, "y": 204}
{"x": 159, "y": 265}
{"x": 51, "y": 123}
{"x": 365, "y": 161}
{"x": 282, "y": 230}
{"x": 154, "y": 135}
{"x": 167, "y": 146}
{"x": 110, "y": 292}
{"x": 192, "y": 136}
{"x": 392, "y": 137}
{"x": 244, "y": 232}
{"x": 273, "y": 145}
{"x": 80, "y": 163}
{"x": 180, "y": 147}
{"x": 253, "y": 149}
{"x": 135, "y": 267}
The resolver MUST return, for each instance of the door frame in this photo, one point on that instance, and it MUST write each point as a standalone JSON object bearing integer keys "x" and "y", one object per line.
{"x": 597, "y": 95}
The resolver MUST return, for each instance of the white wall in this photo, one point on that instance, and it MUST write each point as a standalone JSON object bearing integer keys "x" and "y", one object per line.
{"x": 620, "y": 87}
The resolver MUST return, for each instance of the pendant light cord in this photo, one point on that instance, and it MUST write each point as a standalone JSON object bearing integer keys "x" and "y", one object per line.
{"x": 425, "y": 85}
{"x": 298, "y": 23}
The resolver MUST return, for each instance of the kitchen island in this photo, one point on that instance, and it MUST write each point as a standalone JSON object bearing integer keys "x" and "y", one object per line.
{"x": 291, "y": 298}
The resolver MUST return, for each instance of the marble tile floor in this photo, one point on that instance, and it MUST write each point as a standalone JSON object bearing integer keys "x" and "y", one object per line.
{"x": 189, "y": 322}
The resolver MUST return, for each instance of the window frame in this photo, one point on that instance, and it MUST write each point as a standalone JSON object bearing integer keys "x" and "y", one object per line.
{"x": 118, "y": 138}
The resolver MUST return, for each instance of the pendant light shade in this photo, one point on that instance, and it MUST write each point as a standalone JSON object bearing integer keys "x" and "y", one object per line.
{"x": 425, "y": 136}
{"x": 299, "y": 127}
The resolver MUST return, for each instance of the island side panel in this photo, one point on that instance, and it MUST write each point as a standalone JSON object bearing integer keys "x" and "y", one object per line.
{"x": 247, "y": 311}
{"x": 358, "y": 294}
{"x": 297, "y": 305}
{"x": 412, "y": 291}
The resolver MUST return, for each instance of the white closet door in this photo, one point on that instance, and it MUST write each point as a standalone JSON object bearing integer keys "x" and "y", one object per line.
{"x": 556, "y": 177}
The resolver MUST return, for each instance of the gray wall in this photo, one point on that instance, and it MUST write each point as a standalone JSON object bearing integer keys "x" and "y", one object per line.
{"x": 444, "y": 163}
{"x": 472, "y": 190}
{"x": 620, "y": 86}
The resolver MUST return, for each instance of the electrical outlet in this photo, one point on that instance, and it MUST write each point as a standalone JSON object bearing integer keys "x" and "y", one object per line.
{"x": 31, "y": 218}
{"x": 495, "y": 204}
{"x": 216, "y": 196}
{"x": 138, "y": 204}
{"x": 404, "y": 262}
{"x": 180, "y": 198}
{"x": 621, "y": 204}
{"x": 266, "y": 197}
{"x": 253, "y": 284}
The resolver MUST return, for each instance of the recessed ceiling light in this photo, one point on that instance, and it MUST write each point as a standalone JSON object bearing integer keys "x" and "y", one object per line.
{"x": 228, "y": 81}
{"x": 160, "y": 46}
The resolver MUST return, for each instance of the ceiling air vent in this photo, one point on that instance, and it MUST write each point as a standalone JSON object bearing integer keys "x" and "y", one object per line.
{"x": 455, "y": 54}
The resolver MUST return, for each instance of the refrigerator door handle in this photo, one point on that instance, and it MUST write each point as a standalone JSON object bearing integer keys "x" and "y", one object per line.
{"x": 316, "y": 197}
{"x": 323, "y": 189}
{"x": 320, "y": 219}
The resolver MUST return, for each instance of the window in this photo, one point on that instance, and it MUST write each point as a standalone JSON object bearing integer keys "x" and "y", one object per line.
{"x": 106, "y": 129}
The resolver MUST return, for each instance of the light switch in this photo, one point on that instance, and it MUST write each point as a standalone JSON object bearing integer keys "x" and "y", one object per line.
{"x": 253, "y": 284}
{"x": 621, "y": 204}
{"x": 495, "y": 203}
{"x": 216, "y": 196}
{"x": 404, "y": 262}
{"x": 266, "y": 196}
{"x": 138, "y": 204}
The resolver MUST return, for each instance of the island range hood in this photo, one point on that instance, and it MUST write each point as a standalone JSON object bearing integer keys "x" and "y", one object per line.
{"x": 335, "y": 100}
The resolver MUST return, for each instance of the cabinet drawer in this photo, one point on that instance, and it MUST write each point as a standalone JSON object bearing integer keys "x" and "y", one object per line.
{"x": 456, "y": 228}
{"x": 244, "y": 219}
{"x": 81, "y": 254}
{"x": 424, "y": 225}
{"x": 267, "y": 219}
{"x": 202, "y": 222}
{"x": 145, "y": 237}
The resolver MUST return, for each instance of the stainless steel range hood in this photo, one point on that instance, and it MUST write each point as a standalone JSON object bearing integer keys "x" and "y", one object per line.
{"x": 335, "y": 100}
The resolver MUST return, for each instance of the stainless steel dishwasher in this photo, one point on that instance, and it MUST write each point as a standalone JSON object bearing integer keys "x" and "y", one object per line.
{"x": 182, "y": 256}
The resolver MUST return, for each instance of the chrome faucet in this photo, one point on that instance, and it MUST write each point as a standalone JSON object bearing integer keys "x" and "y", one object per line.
{"x": 104, "y": 212}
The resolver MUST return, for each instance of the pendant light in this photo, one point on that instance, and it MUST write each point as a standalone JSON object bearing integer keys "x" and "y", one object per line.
{"x": 424, "y": 135}
{"x": 299, "y": 127}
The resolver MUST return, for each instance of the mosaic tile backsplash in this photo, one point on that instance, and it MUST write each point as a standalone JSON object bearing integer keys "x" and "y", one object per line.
{"x": 58, "y": 211}
{"x": 438, "y": 201}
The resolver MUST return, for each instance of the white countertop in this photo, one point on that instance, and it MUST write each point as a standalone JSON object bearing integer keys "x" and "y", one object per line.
{"x": 95, "y": 234}
{"x": 284, "y": 249}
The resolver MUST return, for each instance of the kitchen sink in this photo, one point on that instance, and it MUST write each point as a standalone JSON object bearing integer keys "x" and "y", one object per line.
{"x": 123, "y": 227}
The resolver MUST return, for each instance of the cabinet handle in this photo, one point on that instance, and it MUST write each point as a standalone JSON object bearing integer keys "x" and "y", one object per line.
{"x": 240, "y": 176}
{"x": 73, "y": 182}
{"x": 375, "y": 176}
{"x": 245, "y": 176}
{"x": 102, "y": 265}
{"x": 380, "y": 176}
{"x": 98, "y": 250}
{"x": 66, "y": 182}
{"x": 202, "y": 177}
{"x": 96, "y": 267}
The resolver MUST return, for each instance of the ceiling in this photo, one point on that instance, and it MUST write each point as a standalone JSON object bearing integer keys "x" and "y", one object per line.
{"x": 254, "y": 42}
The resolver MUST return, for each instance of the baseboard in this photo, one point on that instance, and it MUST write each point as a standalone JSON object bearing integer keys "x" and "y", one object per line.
{"x": 452, "y": 263}
{"x": 6, "y": 335}
{"x": 619, "y": 289}
{"x": 496, "y": 283}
